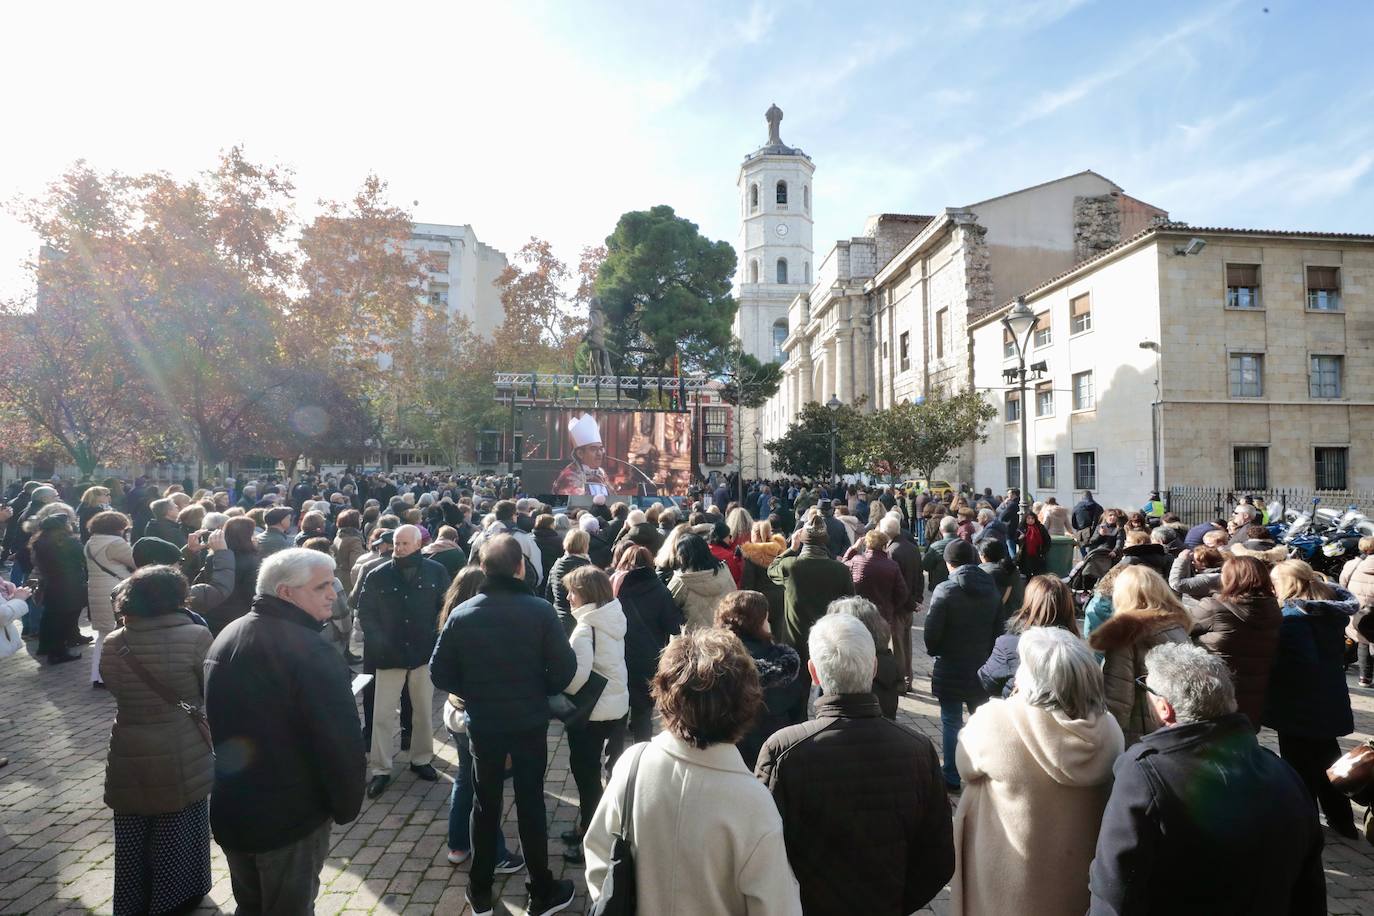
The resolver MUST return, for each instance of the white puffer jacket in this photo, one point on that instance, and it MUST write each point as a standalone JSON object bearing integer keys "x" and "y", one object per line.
{"x": 11, "y": 609}
{"x": 608, "y": 621}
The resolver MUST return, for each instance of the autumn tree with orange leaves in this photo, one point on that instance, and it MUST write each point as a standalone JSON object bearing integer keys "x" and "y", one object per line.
{"x": 545, "y": 314}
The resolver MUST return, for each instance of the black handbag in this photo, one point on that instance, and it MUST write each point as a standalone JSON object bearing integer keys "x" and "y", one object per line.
{"x": 573, "y": 710}
{"x": 619, "y": 894}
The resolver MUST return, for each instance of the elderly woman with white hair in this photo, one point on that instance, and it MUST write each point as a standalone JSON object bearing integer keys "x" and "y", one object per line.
{"x": 1037, "y": 770}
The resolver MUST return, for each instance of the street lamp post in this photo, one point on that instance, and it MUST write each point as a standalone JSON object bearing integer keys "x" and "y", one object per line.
{"x": 758, "y": 437}
{"x": 1154, "y": 412}
{"x": 833, "y": 405}
{"x": 1020, "y": 323}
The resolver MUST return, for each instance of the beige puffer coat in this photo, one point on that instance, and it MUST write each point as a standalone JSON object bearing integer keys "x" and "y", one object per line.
{"x": 1358, "y": 576}
{"x": 106, "y": 554}
{"x": 1125, "y": 638}
{"x": 159, "y": 762}
{"x": 698, "y": 592}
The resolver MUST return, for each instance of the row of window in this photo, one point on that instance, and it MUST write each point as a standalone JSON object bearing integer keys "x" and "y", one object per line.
{"x": 1084, "y": 471}
{"x": 1080, "y": 321}
{"x": 781, "y": 271}
{"x": 779, "y": 197}
{"x": 1083, "y": 392}
{"x": 1243, "y": 288}
{"x": 1325, "y": 375}
{"x": 1250, "y": 464}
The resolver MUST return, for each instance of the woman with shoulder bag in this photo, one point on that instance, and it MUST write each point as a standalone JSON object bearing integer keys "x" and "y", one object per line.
{"x": 109, "y": 561}
{"x": 598, "y": 640}
{"x": 160, "y": 767}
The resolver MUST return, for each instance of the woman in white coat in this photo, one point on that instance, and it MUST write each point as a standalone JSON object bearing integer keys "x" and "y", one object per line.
{"x": 598, "y": 640}
{"x": 1037, "y": 771}
{"x": 109, "y": 561}
{"x": 706, "y": 833}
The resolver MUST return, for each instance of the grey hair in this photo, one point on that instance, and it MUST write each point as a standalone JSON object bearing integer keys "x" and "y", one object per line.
{"x": 668, "y": 517}
{"x": 1059, "y": 671}
{"x": 636, "y": 517}
{"x": 213, "y": 521}
{"x": 561, "y": 522}
{"x": 1196, "y": 683}
{"x": 984, "y": 516}
{"x": 160, "y": 507}
{"x": 948, "y": 525}
{"x": 868, "y": 615}
{"x": 292, "y": 567}
{"x": 842, "y": 649}
{"x": 890, "y": 527}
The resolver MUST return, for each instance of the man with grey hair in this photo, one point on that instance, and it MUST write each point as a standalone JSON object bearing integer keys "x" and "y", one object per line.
{"x": 934, "y": 560}
{"x": 398, "y": 607}
{"x": 907, "y": 555}
{"x": 1201, "y": 819}
{"x": 288, "y": 751}
{"x": 850, "y": 772}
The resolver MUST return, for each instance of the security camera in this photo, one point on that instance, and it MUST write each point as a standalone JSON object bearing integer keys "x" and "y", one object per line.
{"x": 1193, "y": 246}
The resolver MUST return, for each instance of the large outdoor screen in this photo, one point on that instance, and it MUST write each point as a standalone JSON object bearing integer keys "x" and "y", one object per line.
{"x": 606, "y": 452}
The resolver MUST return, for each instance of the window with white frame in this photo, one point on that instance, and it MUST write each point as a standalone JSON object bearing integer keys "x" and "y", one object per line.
{"x": 1083, "y": 397}
{"x": 1044, "y": 400}
{"x": 1013, "y": 472}
{"x": 1080, "y": 314}
{"x": 1324, "y": 289}
{"x": 1008, "y": 345}
{"x": 1324, "y": 380}
{"x": 1043, "y": 337}
{"x": 904, "y": 350}
{"x": 1242, "y": 286}
{"x": 1013, "y": 412}
{"x": 1247, "y": 375}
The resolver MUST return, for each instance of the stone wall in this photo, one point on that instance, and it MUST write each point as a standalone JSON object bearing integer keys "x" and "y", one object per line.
{"x": 1096, "y": 224}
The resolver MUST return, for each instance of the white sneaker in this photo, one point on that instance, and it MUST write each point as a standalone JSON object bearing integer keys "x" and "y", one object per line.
{"x": 457, "y": 856}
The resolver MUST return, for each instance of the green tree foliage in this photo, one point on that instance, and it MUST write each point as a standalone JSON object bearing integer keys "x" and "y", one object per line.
{"x": 804, "y": 450}
{"x": 666, "y": 290}
{"x": 920, "y": 437}
{"x": 748, "y": 382}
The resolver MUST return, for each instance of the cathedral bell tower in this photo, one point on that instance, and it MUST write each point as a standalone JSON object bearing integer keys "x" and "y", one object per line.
{"x": 775, "y": 255}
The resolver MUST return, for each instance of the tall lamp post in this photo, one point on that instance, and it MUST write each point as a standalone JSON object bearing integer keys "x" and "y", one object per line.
{"x": 1154, "y": 412}
{"x": 1020, "y": 323}
{"x": 833, "y": 405}
{"x": 758, "y": 437}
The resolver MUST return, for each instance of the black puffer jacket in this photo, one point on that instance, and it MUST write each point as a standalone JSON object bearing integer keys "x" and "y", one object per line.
{"x": 398, "y": 609}
{"x": 785, "y": 688}
{"x": 961, "y": 627}
{"x": 644, "y": 591}
{"x": 1152, "y": 556}
{"x": 289, "y": 752}
{"x": 864, "y": 811}
{"x": 505, "y": 653}
{"x": 550, "y": 544}
{"x": 557, "y": 594}
{"x": 246, "y": 563}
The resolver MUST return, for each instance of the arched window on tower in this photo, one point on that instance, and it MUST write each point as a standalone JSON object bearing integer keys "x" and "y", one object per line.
{"x": 806, "y": 271}
{"x": 754, "y": 271}
{"x": 782, "y": 270}
{"x": 753, "y": 198}
{"x": 779, "y": 335}
{"x": 806, "y": 197}
{"x": 782, "y": 195}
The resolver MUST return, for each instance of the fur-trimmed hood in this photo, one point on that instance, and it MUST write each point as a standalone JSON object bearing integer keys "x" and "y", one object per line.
{"x": 1268, "y": 551}
{"x": 764, "y": 554}
{"x": 1124, "y": 628}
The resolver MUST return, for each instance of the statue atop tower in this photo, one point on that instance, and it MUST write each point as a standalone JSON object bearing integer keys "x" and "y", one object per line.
{"x": 774, "y": 118}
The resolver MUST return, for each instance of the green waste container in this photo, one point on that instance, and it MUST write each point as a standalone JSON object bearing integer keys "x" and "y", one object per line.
{"x": 1061, "y": 554}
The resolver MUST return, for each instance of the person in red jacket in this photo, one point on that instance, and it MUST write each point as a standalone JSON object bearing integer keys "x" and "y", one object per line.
{"x": 723, "y": 548}
{"x": 877, "y": 576}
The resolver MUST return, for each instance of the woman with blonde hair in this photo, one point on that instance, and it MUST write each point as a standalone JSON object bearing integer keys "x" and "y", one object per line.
{"x": 763, "y": 548}
{"x": 109, "y": 561}
{"x": 576, "y": 544}
{"x": 1308, "y": 702}
{"x": 739, "y": 521}
{"x": 94, "y": 501}
{"x": 1145, "y": 613}
{"x": 1048, "y": 602}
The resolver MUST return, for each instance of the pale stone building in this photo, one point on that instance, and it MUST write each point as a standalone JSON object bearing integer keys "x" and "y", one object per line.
{"x": 888, "y": 320}
{"x": 461, "y": 273}
{"x": 1263, "y": 366}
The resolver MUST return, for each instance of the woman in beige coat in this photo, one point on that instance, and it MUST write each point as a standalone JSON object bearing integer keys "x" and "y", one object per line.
{"x": 160, "y": 768}
{"x": 1145, "y": 614}
{"x": 699, "y": 581}
{"x": 707, "y": 836}
{"x": 1037, "y": 771}
{"x": 109, "y": 561}
{"x": 1358, "y": 576}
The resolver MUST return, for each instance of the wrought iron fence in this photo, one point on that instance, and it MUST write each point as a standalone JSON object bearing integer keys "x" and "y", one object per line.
{"x": 1197, "y": 504}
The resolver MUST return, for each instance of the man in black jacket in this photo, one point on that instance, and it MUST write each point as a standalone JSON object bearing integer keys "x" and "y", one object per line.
{"x": 903, "y": 550}
{"x": 398, "y": 609}
{"x": 504, "y": 652}
{"x": 850, "y": 773}
{"x": 1201, "y": 819}
{"x": 834, "y": 529}
{"x": 961, "y": 626}
{"x": 289, "y": 757}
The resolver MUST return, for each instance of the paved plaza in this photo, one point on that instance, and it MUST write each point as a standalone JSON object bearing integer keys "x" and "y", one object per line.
{"x": 57, "y": 839}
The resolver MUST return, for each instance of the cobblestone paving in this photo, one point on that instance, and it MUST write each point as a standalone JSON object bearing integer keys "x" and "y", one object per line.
{"x": 57, "y": 838}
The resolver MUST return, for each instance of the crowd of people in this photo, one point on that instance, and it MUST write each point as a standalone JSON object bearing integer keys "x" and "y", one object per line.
{"x": 727, "y": 672}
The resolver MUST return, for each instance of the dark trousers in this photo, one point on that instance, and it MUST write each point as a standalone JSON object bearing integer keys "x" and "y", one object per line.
{"x": 59, "y": 627}
{"x": 1310, "y": 757}
{"x": 1364, "y": 655}
{"x": 529, "y": 752}
{"x": 280, "y": 881}
{"x": 585, "y": 745}
{"x": 369, "y": 699}
{"x": 641, "y": 728}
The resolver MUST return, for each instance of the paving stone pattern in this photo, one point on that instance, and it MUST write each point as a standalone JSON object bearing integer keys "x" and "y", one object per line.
{"x": 57, "y": 837}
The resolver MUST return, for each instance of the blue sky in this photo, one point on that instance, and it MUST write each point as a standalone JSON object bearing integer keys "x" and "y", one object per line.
{"x": 551, "y": 119}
